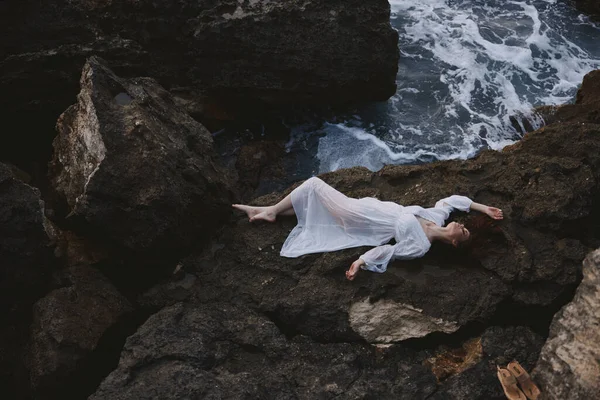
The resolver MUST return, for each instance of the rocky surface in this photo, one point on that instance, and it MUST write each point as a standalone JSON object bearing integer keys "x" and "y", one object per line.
{"x": 222, "y": 350}
{"x": 217, "y": 55}
{"x": 25, "y": 252}
{"x": 569, "y": 364}
{"x": 135, "y": 170}
{"x": 548, "y": 188}
{"x": 499, "y": 347}
{"x": 67, "y": 326}
{"x": 255, "y": 324}
{"x": 586, "y": 107}
{"x": 26, "y": 261}
{"x": 590, "y": 7}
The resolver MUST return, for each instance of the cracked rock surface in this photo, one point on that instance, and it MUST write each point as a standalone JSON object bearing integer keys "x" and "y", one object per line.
{"x": 569, "y": 364}
{"x": 136, "y": 169}
{"x": 221, "y": 350}
{"x": 68, "y": 324}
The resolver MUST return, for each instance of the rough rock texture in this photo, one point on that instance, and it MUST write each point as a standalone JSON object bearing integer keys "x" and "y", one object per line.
{"x": 586, "y": 107}
{"x": 226, "y": 351}
{"x": 385, "y": 321}
{"x": 591, "y": 7}
{"x": 500, "y": 345}
{"x": 135, "y": 169}
{"x": 237, "y": 53}
{"x": 547, "y": 184}
{"x": 25, "y": 253}
{"x": 68, "y": 324}
{"x": 569, "y": 364}
{"x": 26, "y": 261}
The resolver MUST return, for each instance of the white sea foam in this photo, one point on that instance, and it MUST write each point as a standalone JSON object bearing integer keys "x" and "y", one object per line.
{"x": 465, "y": 69}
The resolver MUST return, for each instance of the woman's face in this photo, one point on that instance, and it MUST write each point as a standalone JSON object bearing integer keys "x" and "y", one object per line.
{"x": 458, "y": 233}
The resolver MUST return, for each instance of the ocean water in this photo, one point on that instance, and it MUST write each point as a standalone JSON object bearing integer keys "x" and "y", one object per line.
{"x": 465, "y": 68}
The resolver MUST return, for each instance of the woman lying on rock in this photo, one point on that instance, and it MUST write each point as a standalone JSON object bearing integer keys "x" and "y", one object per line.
{"x": 328, "y": 221}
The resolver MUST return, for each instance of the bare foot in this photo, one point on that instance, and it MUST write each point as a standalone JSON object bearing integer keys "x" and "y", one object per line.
{"x": 353, "y": 271}
{"x": 266, "y": 215}
{"x": 256, "y": 213}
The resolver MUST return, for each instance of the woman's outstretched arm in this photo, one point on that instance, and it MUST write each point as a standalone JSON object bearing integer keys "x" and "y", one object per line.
{"x": 462, "y": 203}
{"x": 493, "y": 212}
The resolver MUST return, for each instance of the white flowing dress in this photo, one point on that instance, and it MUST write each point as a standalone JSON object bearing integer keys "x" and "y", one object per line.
{"x": 328, "y": 220}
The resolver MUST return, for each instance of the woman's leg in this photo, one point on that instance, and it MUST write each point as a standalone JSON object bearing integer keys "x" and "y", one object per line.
{"x": 270, "y": 213}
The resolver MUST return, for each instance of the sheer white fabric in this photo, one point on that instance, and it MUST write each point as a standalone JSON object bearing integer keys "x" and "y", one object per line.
{"x": 329, "y": 220}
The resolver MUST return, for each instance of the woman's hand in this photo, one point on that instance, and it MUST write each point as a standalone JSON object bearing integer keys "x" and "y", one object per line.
{"x": 354, "y": 268}
{"x": 494, "y": 212}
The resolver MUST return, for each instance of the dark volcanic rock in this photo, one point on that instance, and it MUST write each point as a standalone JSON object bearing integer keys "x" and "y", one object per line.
{"x": 225, "y": 351}
{"x": 499, "y": 346}
{"x": 136, "y": 170}
{"x": 591, "y": 7}
{"x": 548, "y": 184}
{"x": 261, "y": 326}
{"x": 585, "y": 109}
{"x": 221, "y": 350}
{"x": 568, "y": 367}
{"x": 236, "y": 54}
{"x": 26, "y": 260}
{"x": 67, "y": 326}
{"x": 25, "y": 253}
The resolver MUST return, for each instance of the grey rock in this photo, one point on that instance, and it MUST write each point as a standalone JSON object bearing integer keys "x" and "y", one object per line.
{"x": 135, "y": 170}
{"x": 568, "y": 366}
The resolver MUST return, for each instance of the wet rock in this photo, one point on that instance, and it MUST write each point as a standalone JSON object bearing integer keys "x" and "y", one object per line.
{"x": 135, "y": 170}
{"x": 590, "y": 7}
{"x": 68, "y": 324}
{"x": 568, "y": 365}
{"x": 586, "y": 108}
{"x": 589, "y": 92}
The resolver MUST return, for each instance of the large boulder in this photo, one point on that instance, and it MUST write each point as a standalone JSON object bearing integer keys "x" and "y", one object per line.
{"x": 569, "y": 364}
{"x": 25, "y": 245}
{"x": 134, "y": 169}
{"x": 67, "y": 326}
{"x": 227, "y": 351}
{"x": 218, "y": 350}
{"x": 548, "y": 184}
{"x": 232, "y": 54}
{"x": 26, "y": 261}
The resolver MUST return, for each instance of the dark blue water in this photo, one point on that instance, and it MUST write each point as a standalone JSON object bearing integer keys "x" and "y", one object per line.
{"x": 466, "y": 67}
